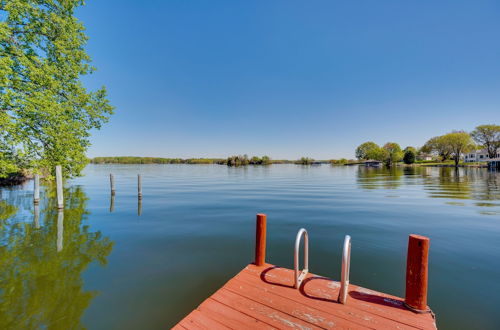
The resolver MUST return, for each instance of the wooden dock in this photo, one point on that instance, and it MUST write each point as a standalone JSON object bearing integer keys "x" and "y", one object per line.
{"x": 264, "y": 296}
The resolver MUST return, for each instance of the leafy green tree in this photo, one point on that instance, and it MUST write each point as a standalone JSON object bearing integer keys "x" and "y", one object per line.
{"x": 238, "y": 160}
{"x": 46, "y": 113}
{"x": 368, "y": 150}
{"x": 393, "y": 153}
{"x": 410, "y": 154}
{"x": 439, "y": 146}
{"x": 266, "y": 160}
{"x": 489, "y": 137}
{"x": 458, "y": 142}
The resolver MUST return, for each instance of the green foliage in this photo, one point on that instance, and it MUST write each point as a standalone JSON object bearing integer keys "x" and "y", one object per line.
{"x": 410, "y": 155}
{"x": 438, "y": 145}
{"x": 265, "y": 160}
{"x": 238, "y": 160}
{"x": 458, "y": 142}
{"x": 488, "y": 136}
{"x": 152, "y": 160}
{"x": 368, "y": 150}
{"x": 341, "y": 161}
{"x": 305, "y": 161}
{"x": 46, "y": 113}
{"x": 392, "y": 153}
{"x": 451, "y": 145}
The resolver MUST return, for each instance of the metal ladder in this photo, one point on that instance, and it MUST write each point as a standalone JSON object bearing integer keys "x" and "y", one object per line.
{"x": 346, "y": 263}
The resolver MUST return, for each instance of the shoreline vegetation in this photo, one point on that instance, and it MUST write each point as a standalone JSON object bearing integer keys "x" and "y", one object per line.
{"x": 239, "y": 160}
{"x": 243, "y": 161}
{"x": 445, "y": 150}
{"x": 233, "y": 161}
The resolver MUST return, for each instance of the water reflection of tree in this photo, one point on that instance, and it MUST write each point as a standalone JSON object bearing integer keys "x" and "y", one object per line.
{"x": 39, "y": 286}
{"x": 6, "y": 211}
{"x": 450, "y": 183}
{"x": 466, "y": 183}
{"x": 379, "y": 178}
{"x": 487, "y": 188}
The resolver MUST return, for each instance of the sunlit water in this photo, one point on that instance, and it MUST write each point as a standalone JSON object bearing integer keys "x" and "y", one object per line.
{"x": 116, "y": 264}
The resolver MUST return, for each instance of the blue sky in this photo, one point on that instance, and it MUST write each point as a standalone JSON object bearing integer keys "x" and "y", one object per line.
{"x": 290, "y": 78}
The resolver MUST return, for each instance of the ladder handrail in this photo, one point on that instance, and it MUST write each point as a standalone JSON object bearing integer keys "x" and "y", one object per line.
{"x": 300, "y": 277}
{"x": 346, "y": 265}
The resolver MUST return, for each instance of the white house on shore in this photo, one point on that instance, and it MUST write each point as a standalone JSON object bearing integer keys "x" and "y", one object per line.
{"x": 479, "y": 156}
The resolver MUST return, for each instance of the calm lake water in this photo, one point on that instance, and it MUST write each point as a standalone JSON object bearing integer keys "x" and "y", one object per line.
{"x": 116, "y": 264}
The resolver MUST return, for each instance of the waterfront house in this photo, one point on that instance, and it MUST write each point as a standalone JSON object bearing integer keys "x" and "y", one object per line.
{"x": 479, "y": 156}
{"x": 424, "y": 156}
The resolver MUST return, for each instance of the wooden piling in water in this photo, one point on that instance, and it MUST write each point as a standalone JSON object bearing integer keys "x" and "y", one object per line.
{"x": 260, "y": 240}
{"x": 59, "y": 184}
{"x": 112, "y": 204}
{"x": 139, "y": 186}
{"x": 139, "y": 207}
{"x": 36, "y": 193}
{"x": 417, "y": 265}
{"x": 112, "y": 183}
{"x": 37, "y": 215}
{"x": 60, "y": 230}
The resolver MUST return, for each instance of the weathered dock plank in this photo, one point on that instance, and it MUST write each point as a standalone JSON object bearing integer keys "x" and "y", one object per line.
{"x": 263, "y": 297}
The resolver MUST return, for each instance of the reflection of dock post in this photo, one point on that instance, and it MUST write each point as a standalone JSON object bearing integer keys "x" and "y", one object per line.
{"x": 139, "y": 207}
{"x": 112, "y": 183}
{"x": 36, "y": 193}
{"x": 112, "y": 203}
{"x": 37, "y": 216}
{"x": 139, "y": 186}
{"x": 260, "y": 240}
{"x": 60, "y": 230}
{"x": 417, "y": 265}
{"x": 59, "y": 183}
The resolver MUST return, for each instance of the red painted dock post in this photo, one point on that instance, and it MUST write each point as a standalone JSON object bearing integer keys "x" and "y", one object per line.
{"x": 260, "y": 240}
{"x": 417, "y": 264}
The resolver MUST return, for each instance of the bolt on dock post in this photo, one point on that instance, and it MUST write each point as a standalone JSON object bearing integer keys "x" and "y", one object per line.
{"x": 139, "y": 186}
{"x": 36, "y": 193}
{"x": 59, "y": 184}
{"x": 417, "y": 265}
{"x": 112, "y": 183}
{"x": 260, "y": 240}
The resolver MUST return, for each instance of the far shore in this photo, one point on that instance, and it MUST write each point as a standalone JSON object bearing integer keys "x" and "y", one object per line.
{"x": 19, "y": 178}
{"x": 128, "y": 160}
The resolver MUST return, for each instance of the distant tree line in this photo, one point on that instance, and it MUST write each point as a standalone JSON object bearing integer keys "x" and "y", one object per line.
{"x": 239, "y": 160}
{"x": 450, "y": 146}
{"x": 153, "y": 160}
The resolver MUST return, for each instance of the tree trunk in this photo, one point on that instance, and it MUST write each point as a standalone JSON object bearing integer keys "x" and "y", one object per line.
{"x": 492, "y": 150}
{"x": 457, "y": 160}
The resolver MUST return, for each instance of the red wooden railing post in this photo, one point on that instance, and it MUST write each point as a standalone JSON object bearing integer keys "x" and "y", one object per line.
{"x": 417, "y": 264}
{"x": 260, "y": 240}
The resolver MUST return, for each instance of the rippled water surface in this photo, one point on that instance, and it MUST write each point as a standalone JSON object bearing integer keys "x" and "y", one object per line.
{"x": 115, "y": 263}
